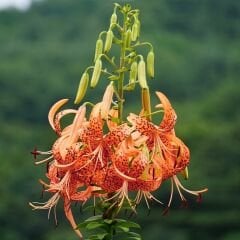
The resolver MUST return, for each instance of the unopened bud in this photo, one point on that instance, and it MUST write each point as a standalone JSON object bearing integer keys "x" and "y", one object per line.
{"x": 146, "y": 103}
{"x": 150, "y": 64}
{"x": 98, "y": 49}
{"x": 82, "y": 88}
{"x": 134, "y": 31}
{"x": 132, "y": 76}
{"x": 128, "y": 38}
{"x": 113, "y": 19}
{"x": 96, "y": 73}
{"x": 142, "y": 74}
{"x": 108, "y": 42}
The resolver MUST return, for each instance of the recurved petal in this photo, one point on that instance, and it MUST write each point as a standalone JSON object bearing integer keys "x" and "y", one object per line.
{"x": 77, "y": 123}
{"x": 170, "y": 116}
{"x": 107, "y": 101}
{"x": 69, "y": 215}
{"x": 59, "y": 116}
{"x": 53, "y": 110}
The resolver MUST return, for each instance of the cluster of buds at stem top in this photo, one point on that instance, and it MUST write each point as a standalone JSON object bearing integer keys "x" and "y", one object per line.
{"x": 138, "y": 69}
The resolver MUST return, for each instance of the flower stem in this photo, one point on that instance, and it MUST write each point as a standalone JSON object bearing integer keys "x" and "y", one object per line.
{"x": 121, "y": 76}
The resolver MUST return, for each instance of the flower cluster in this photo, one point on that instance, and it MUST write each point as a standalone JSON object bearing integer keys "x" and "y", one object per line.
{"x": 96, "y": 157}
{"x": 103, "y": 155}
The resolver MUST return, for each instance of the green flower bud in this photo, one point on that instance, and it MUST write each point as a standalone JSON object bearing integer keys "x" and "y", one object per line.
{"x": 96, "y": 73}
{"x": 98, "y": 49}
{"x": 132, "y": 77}
{"x": 134, "y": 32}
{"x": 150, "y": 64}
{"x": 146, "y": 103}
{"x": 128, "y": 38}
{"x": 108, "y": 41}
{"x": 133, "y": 74}
{"x": 82, "y": 88}
{"x": 142, "y": 74}
{"x": 113, "y": 19}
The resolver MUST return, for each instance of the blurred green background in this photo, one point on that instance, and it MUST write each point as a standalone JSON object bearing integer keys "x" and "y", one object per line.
{"x": 43, "y": 52}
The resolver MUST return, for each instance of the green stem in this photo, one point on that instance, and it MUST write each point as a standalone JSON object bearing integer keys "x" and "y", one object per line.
{"x": 108, "y": 59}
{"x": 144, "y": 43}
{"x": 121, "y": 76}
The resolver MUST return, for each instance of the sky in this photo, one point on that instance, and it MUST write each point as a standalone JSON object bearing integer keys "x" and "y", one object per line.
{"x": 19, "y": 4}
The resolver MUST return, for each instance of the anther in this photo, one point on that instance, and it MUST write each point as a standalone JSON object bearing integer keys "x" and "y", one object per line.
{"x": 199, "y": 198}
{"x": 35, "y": 152}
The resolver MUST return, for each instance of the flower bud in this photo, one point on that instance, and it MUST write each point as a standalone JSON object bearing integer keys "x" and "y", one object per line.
{"x": 113, "y": 19}
{"x": 82, "y": 88}
{"x": 96, "y": 73}
{"x": 150, "y": 64}
{"x": 132, "y": 76}
{"x": 134, "y": 32}
{"x": 146, "y": 103}
{"x": 128, "y": 38}
{"x": 108, "y": 42}
{"x": 142, "y": 74}
{"x": 98, "y": 49}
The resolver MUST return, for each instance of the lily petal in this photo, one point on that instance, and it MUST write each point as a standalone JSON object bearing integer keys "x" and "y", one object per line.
{"x": 53, "y": 110}
{"x": 169, "y": 117}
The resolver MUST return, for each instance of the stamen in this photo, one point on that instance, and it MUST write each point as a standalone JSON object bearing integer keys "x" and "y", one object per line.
{"x": 184, "y": 204}
{"x": 179, "y": 191}
{"x": 196, "y": 193}
{"x": 55, "y": 215}
{"x": 44, "y": 160}
{"x": 199, "y": 198}
{"x": 35, "y": 153}
{"x": 145, "y": 198}
{"x": 166, "y": 210}
{"x": 151, "y": 197}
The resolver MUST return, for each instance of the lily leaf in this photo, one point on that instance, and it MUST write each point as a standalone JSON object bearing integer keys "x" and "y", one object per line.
{"x": 124, "y": 229}
{"x": 94, "y": 218}
{"x": 94, "y": 225}
{"x": 128, "y": 224}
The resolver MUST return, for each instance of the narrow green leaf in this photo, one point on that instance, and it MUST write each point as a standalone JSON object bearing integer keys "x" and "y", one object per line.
{"x": 128, "y": 224}
{"x": 94, "y": 225}
{"x": 102, "y": 235}
{"x": 134, "y": 234}
{"x": 99, "y": 236}
{"x": 82, "y": 225}
{"x": 124, "y": 229}
{"x": 133, "y": 238}
{"x": 94, "y": 218}
{"x": 108, "y": 221}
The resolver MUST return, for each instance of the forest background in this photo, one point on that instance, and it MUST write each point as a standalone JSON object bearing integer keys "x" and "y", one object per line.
{"x": 43, "y": 52}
